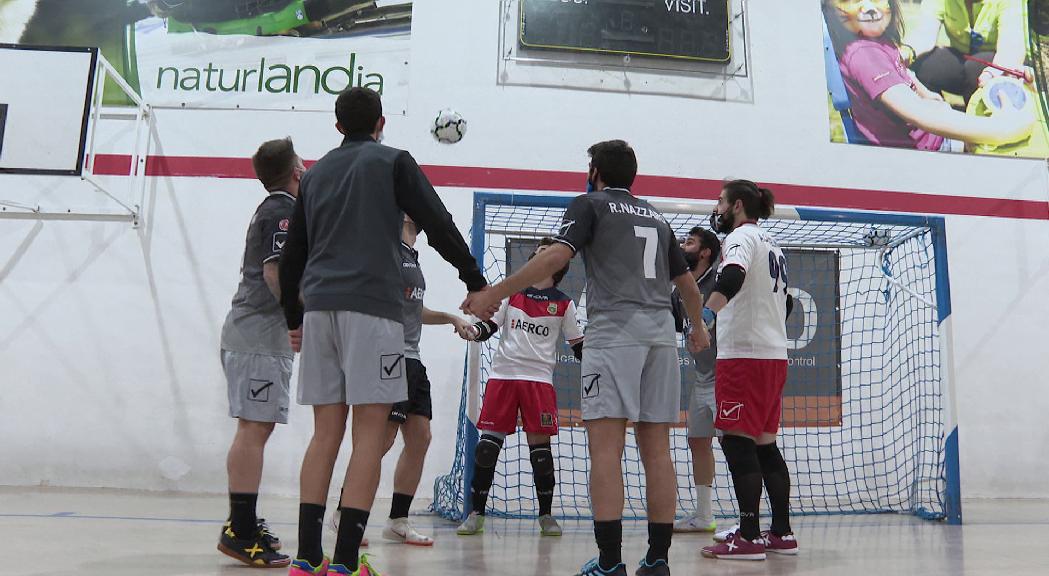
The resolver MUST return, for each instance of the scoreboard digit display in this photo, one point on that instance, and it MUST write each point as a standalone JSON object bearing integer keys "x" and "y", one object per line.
{"x": 680, "y": 29}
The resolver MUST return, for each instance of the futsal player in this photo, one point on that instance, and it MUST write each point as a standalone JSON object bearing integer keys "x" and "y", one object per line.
{"x": 751, "y": 302}
{"x": 256, "y": 355}
{"x": 702, "y": 252}
{"x": 630, "y": 370}
{"x": 343, "y": 249}
{"x": 520, "y": 383}
{"x": 413, "y": 416}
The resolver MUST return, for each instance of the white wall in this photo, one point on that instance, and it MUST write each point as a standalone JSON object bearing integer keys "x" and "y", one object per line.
{"x": 109, "y": 335}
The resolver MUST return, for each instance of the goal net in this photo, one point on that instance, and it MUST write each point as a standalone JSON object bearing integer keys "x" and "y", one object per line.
{"x": 866, "y": 415}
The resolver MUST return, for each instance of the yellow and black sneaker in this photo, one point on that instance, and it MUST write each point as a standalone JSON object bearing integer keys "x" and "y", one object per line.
{"x": 253, "y": 551}
{"x": 268, "y": 536}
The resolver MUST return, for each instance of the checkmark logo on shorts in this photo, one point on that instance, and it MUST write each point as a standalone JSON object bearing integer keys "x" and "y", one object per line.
{"x": 391, "y": 366}
{"x": 259, "y": 390}
{"x": 730, "y": 410}
{"x": 591, "y": 385}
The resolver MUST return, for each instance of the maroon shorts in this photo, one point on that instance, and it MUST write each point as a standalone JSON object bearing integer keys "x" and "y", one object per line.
{"x": 749, "y": 395}
{"x": 504, "y": 399}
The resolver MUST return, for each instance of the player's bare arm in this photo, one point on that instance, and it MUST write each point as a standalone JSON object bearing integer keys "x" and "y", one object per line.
{"x": 542, "y": 266}
{"x": 435, "y": 318}
{"x": 698, "y": 337}
{"x": 271, "y": 274}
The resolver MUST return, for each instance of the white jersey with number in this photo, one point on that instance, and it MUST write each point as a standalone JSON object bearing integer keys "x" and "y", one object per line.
{"x": 753, "y": 324}
{"x": 531, "y": 323}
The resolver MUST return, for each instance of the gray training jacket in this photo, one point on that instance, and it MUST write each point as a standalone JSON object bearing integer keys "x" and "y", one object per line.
{"x": 345, "y": 235}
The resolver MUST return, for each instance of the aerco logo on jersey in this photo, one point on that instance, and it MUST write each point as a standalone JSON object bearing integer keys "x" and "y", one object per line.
{"x": 530, "y": 327}
{"x": 414, "y": 293}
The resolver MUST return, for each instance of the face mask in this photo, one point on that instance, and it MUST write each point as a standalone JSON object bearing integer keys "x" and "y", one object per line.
{"x": 380, "y": 137}
{"x": 720, "y": 223}
{"x": 692, "y": 259}
{"x": 589, "y": 184}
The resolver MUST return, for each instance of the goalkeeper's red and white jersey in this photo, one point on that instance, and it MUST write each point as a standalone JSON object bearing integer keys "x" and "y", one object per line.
{"x": 753, "y": 324}
{"x": 531, "y": 323}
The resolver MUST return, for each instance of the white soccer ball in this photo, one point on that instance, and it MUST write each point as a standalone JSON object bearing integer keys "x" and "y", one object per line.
{"x": 449, "y": 127}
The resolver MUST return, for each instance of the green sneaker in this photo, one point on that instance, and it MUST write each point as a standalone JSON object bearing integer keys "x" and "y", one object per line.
{"x": 474, "y": 524}
{"x": 548, "y": 526}
{"x": 364, "y": 568}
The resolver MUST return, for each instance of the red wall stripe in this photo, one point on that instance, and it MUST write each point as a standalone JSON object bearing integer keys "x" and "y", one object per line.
{"x": 655, "y": 186}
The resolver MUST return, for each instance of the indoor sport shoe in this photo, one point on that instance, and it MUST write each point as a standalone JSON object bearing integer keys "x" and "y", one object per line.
{"x": 300, "y": 567}
{"x": 736, "y": 547}
{"x": 333, "y": 527}
{"x": 724, "y": 534}
{"x": 268, "y": 536}
{"x": 364, "y": 568}
{"x": 693, "y": 523}
{"x": 658, "y": 568}
{"x": 548, "y": 526}
{"x": 402, "y": 530}
{"x": 592, "y": 568}
{"x": 785, "y": 544}
{"x": 253, "y": 551}
{"x": 474, "y": 524}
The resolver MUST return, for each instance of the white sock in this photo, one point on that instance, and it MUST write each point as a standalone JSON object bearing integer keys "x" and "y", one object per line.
{"x": 704, "y": 503}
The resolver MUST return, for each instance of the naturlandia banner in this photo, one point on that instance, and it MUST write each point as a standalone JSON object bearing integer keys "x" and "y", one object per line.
{"x": 252, "y": 54}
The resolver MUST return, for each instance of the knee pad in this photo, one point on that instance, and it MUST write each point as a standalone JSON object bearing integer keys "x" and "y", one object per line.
{"x": 542, "y": 459}
{"x": 741, "y": 455}
{"x": 488, "y": 448}
{"x": 771, "y": 459}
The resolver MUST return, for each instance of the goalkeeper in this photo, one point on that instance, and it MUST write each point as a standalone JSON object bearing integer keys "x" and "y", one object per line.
{"x": 521, "y": 382}
{"x": 702, "y": 253}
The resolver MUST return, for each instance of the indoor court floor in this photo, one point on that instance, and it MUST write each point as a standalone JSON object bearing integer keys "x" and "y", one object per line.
{"x": 47, "y": 531}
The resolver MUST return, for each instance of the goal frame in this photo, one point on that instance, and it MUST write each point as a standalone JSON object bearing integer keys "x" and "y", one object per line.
{"x": 936, "y": 225}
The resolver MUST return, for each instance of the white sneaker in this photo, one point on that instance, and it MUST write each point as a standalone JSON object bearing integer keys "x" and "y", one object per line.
{"x": 724, "y": 534}
{"x": 548, "y": 526}
{"x": 402, "y": 530}
{"x": 693, "y": 523}
{"x": 333, "y": 527}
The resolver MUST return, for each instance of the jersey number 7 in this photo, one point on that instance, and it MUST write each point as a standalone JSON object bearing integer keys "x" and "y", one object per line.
{"x": 651, "y": 237}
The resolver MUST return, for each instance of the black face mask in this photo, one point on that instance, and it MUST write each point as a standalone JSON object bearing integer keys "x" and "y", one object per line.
{"x": 721, "y": 223}
{"x": 692, "y": 259}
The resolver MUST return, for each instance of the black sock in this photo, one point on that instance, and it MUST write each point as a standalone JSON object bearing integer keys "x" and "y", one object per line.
{"x": 480, "y": 486}
{"x": 777, "y": 484}
{"x": 486, "y": 457}
{"x": 742, "y": 457}
{"x": 659, "y": 536}
{"x": 351, "y": 531}
{"x": 311, "y": 524}
{"x": 543, "y": 473}
{"x": 609, "y": 536}
{"x": 242, "y": 514}
{"x": 401, "y": 504}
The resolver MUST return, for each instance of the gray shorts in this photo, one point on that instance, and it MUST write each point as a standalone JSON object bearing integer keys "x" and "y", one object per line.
{"x": 639, "y": 383}
{"x": 351, "y": 358}
{"x": 701, "y": 410}
{"x": 259, "y": 386}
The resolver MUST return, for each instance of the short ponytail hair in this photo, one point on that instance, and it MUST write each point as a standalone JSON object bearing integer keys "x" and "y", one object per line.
{"x": 758, "y": 203}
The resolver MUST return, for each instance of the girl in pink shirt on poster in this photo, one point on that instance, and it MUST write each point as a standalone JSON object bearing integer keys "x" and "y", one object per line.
{"x": 889, "y": 105}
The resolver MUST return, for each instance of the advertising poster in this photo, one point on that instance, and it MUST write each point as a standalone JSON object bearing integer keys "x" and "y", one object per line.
{"x": 937, "y": 75}
{"x": 256, "y": 54}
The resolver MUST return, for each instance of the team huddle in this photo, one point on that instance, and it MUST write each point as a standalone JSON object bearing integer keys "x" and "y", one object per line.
{"x": 355, "y": 317}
